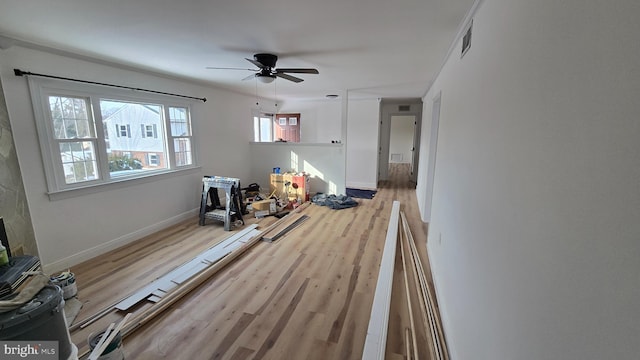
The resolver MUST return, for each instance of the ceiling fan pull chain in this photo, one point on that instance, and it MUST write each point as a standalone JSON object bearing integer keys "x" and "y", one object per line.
{"x": 257, "y": 102}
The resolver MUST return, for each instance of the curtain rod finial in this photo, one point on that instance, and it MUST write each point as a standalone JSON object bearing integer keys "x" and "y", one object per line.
{"x": 18, "y": 72}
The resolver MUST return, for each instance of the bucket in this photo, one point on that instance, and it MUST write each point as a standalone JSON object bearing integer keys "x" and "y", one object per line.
{"x": 41, "y": 319}
{"x": 74, "y": 352}
{"x": 67, "y": 282}
{"x": 113, "y": 351}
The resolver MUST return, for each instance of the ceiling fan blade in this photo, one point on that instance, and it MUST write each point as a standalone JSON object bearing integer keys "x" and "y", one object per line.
{"x": 226, "y": 68}
{"x": 289, "y": 77}
{"x": 250, "y": 77}
{"x": 297, "y": 70}
{"x": 256, "y": 63}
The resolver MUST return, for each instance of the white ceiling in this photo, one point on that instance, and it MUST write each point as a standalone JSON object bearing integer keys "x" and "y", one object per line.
{"x": 376, "y": 48}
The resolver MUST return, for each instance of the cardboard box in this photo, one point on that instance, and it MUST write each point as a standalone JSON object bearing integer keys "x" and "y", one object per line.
{"x": 278, "y": 182}
{"x": 264, "y": 205}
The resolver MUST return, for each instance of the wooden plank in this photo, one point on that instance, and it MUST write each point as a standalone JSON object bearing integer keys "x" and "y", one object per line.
{"x": 137, "y": 296}
{"x": 435, "y": 327}
{"x": 285, "y": 221}
{"x": 99, "y": 349}
{"x": 193, "y": 283}
{"x": 194, "y": 270}
{"x": 376, "y": 340}
{"x": 289, "y": 225}
{"x": 95, "y": 353}
{"x": 407, "y": 343}
{"x": 159, "y": 293}
{"x": 184, "y": 271}
{"x": 406, "y": 287}
{"x": 422, "y": 303}
{"x": 251, "y": 234}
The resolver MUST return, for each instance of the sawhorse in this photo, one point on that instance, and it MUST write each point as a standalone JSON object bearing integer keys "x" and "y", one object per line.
{"x": 232, "y": 211}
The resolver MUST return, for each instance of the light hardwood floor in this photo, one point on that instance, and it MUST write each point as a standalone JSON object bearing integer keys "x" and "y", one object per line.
{"x": 307, "y": 295}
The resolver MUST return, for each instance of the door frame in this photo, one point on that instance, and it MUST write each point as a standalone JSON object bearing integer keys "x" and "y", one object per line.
{"x": 389, "y": 108}
{"x": 436, "y": 105}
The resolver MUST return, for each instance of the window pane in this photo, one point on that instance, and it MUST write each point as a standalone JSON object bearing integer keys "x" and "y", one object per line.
{"x": 182, "y": 148}
{"x": 256, "y": 129}
{"x": 129, "y": 149}
{"x": 265, "y": 129}
{"x": 70, "y": 118}
{"x": 78, "y": 161}
{"x": 179, "y": 119}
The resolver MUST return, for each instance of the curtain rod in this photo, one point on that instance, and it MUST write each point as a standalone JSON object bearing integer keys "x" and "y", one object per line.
{"x": 19, "y": 72}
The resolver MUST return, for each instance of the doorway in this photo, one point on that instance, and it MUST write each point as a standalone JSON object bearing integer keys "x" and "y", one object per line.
{"x": 286, "y": 127}
{"x": 399, "y": 139}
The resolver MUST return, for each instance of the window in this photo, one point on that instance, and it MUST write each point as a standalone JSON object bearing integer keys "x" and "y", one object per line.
{"x": 263, "y": 128}
{"x": 149, "y": 135}
{"x": 149, "y": 131}
{"x": 73, "y": 138}
{"x": 153, "y": 160}
{"x": 123, "y": 130}
{"x": 181, "y": 135}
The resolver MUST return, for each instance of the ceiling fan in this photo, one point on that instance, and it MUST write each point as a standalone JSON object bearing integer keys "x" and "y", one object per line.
{"x": 267, "y": 71}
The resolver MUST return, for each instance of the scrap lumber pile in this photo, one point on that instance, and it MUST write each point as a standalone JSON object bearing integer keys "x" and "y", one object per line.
{"x": 412, "y": 268}
{"x": 173, "y": 286}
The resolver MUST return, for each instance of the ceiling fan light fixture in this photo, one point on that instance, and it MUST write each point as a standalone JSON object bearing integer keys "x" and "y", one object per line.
{"x": 267, "y": 79}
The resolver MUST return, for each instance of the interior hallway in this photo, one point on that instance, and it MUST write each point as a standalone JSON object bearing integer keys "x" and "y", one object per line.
{"x": 306, "y": 296}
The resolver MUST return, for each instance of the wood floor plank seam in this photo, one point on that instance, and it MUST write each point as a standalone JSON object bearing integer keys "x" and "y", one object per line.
{"x": 282, "y": 322}
{"x": 338, "y": 323}
{"x": 281, "y": 283}
{"x": 229, "y": 339}
{"x": 347, "y": 228}
{"x": 242, "y": 353}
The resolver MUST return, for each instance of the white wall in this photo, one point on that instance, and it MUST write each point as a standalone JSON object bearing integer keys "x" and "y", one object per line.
{"x": 535, "y": 239}
{"x": 320, "y": 120}
{"x": 323, "y": 162}
{"x": 401, "y": 139}
{"x": 72, "y": 230}
{"x": 362, "y": 143}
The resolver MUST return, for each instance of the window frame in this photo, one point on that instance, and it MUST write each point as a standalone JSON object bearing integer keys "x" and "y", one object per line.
{"x": 171, "y": 140}
{"x": 257, "y": 137}
{"x": 41, "y": 89}
{"x": 153, "y": 159}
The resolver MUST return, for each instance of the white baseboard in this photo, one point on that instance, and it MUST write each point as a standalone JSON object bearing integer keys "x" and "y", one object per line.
{"x": 442, "y": 304}
{"x": 84, "y": 255}
{"x": 362, "y": 186}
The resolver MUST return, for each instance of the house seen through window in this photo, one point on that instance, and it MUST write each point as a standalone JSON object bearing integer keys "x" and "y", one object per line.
{"x": 94, "y": 139}
{"x": 130, "y": 151}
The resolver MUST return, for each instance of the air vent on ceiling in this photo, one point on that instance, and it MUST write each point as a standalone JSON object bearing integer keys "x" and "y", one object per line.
{"x": 404, "y": 107}
{"x": 466, "y": 39}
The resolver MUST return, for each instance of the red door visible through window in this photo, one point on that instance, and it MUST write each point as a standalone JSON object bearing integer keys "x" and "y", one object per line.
{"x": 287, "y": 127}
